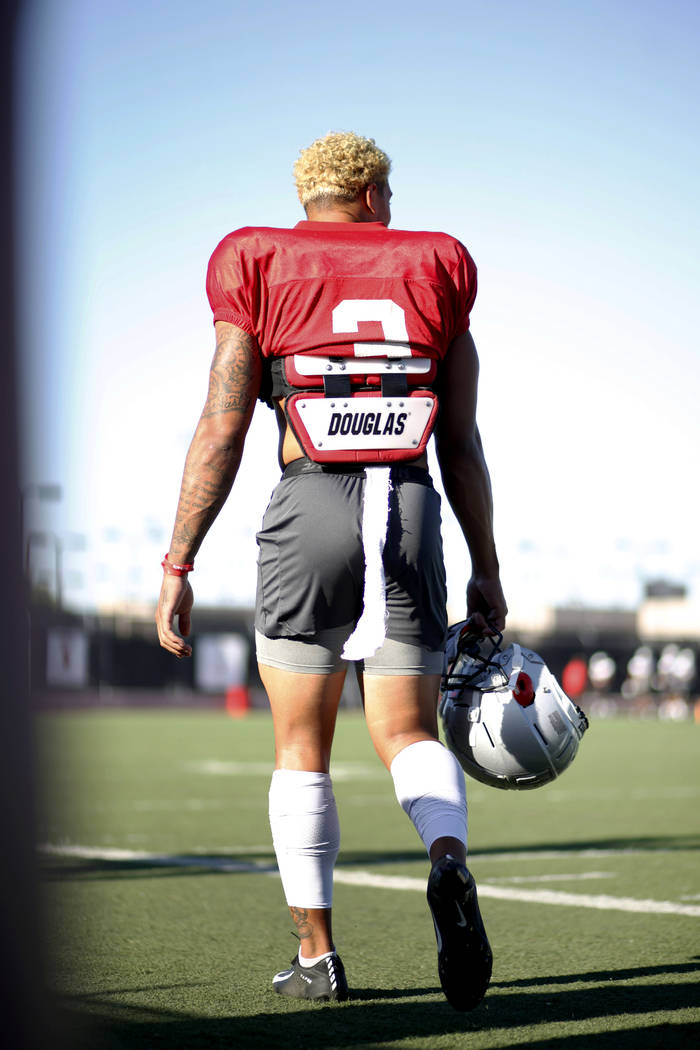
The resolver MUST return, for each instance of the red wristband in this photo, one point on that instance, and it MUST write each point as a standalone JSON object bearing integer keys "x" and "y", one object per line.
{"x": 175, "y": 570}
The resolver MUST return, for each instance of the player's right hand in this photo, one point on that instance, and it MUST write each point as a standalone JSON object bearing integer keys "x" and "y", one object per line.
{"x": 176, "y": 599}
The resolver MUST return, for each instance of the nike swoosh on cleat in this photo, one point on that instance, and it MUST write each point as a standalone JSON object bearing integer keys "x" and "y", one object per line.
{"x": 461, "y": 921}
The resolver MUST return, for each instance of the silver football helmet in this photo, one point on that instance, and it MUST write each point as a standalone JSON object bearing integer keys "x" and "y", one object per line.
{"x": 504, "y": 715}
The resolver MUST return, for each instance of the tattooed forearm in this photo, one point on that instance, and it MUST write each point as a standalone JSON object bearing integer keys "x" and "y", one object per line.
{"x": 209, "y": 473}
{"x": 217, "y": 446}
{"x": 301, "y": 921}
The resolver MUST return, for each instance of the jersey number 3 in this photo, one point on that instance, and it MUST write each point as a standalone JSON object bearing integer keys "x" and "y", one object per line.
{"x": 387, "y": 313}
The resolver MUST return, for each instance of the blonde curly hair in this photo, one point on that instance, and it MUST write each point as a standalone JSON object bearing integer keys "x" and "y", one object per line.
{"x": 339, "y": 165}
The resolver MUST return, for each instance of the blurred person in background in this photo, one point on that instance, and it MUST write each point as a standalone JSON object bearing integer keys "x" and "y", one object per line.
{"x": 358, "y": 337}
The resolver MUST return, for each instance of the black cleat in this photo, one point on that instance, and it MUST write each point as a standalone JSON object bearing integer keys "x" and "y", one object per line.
{"x": 324, "y": 980}
{"x": 464, "y": 953}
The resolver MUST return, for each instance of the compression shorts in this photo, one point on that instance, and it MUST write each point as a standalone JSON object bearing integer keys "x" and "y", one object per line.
{"x": 311, "y": 571}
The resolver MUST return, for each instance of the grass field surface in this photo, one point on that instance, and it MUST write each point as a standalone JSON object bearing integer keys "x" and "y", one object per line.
{"x": 164, "y": 919}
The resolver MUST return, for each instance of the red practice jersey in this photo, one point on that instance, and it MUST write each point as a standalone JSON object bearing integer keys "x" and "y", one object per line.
{"x": 344, "y": 289}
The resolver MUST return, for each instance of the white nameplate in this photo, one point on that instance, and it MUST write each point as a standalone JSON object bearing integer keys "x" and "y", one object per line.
{"x": 344, "y": 424}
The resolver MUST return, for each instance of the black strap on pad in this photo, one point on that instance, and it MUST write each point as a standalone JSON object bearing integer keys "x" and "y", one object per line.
{"x": 336, "y": 386}
{"x": 394, "y": 385}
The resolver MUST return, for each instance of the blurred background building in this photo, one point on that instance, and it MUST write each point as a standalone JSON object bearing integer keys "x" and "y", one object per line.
{"x": 642, "y": 661}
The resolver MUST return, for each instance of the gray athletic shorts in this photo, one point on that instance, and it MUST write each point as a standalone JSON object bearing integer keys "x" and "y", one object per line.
{"x": 311, "y": 572}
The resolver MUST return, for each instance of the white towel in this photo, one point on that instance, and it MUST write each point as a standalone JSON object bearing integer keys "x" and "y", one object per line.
{"x": 370, "y": 630}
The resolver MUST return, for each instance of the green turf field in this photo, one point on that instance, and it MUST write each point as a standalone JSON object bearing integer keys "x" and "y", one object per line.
{"x": 164, "y": 921}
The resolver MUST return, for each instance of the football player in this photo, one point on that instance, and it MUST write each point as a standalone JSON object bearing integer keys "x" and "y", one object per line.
{"x": 358, "y": 337}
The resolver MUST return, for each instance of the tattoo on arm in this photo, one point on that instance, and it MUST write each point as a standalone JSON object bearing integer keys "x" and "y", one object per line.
{"x": 235, "y": 373}
{"x": 217, "y": 446}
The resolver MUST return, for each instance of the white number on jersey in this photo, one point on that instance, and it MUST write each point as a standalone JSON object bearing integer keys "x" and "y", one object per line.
{"x": 387, "y": 313}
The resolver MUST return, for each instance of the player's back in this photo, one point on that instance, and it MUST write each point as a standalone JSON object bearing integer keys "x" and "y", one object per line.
{"x": 289, "y": 284}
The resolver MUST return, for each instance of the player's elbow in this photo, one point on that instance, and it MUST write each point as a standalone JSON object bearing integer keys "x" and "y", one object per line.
{"x": 221, "y": 432}
{"x": 458, "y": 451}
{"x": 218, "y": 444}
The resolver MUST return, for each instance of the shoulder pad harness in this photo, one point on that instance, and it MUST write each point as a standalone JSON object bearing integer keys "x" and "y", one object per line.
{"x": 358, "y": 409}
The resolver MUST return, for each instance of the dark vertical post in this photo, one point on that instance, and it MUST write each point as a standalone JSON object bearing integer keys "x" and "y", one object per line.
{"x": 22, "y": 996}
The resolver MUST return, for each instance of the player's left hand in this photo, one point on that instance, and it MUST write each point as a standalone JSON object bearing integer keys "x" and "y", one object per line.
{"x": 176, "y": 599}
{"x": 486, "y": 605}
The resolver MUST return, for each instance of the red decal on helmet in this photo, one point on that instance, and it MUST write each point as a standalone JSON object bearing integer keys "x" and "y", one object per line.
{"x": 524, "y": 692}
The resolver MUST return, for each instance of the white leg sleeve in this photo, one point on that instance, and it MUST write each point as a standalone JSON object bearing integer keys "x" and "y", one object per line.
{"x": 429, "y": 785}
{"x": 305, "y": 834}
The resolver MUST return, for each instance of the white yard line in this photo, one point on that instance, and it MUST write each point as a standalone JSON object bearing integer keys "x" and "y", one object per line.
{"x": 569, "y": 900}
{"x": 603, "y": 902}
{"x": 159, "y": 860}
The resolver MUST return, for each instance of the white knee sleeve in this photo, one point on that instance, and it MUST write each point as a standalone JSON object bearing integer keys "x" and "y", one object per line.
{"x": 429, "y": 784}
{"x": 305, "y": 834}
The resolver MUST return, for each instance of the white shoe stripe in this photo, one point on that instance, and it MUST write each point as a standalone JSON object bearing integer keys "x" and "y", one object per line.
{"x": 282, "y": 976}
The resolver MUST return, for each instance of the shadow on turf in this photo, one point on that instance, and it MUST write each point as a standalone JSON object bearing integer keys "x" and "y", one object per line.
{"x": 650, "y": 843}
{"x": 603, "y": 975}
{"x": 371, "y": 1020}
{"x": 145, "y": 869}
{"x": 58, "y": 868}
{"x": 220, "y": 864}
{"x": 642, "y": 843}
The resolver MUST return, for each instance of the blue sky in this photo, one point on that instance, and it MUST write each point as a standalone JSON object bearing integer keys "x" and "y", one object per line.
{"x": 559, "y": 141}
